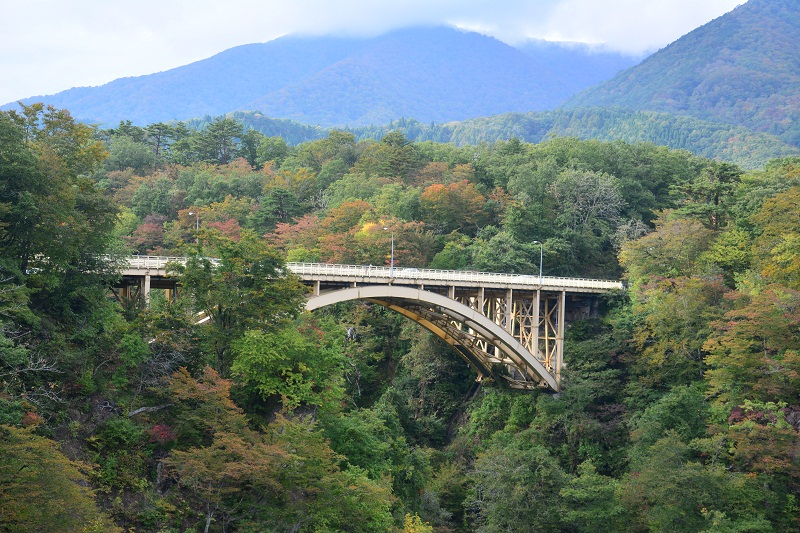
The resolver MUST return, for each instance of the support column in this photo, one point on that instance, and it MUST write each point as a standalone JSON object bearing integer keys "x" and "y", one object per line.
{"x": 145, "y": 291}
{"x": 316, "y": 288}
{"x": 562, "y": 304}
{"x": 509, "y": 311}
{"x": 537, "y": 303}
{"x": 451, "y": 292}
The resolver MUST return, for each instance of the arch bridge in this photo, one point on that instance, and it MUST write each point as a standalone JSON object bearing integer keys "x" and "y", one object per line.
{"x": 506, "y": 326}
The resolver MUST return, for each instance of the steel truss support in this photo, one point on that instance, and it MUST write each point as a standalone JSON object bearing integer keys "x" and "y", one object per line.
{"x": 498, "y": 334}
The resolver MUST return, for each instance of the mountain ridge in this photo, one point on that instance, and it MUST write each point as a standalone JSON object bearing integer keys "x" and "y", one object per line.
{"x": 311, "y": 79}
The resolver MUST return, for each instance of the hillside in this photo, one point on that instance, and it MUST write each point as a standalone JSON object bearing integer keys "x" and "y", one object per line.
{"x": 715, "y": 140}
{"x": 679, "y": 402}
{"x": 437, "y": 74}
{"x": 742, "y": 68}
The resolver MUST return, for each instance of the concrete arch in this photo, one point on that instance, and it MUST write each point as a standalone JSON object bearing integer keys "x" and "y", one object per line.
{"x": 416, "y": 304}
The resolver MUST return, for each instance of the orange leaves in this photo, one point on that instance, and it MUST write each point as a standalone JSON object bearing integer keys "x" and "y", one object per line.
{"x": 457, "y": 206}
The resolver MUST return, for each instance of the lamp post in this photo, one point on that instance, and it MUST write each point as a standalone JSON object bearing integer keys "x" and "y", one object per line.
{"x": 391, "y": 261}
{"x": 196, "y": 226}
{"x": 541, "y": 253}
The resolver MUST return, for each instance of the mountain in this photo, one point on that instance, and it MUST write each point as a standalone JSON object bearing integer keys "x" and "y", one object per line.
{"x": 742, "y": 68}
{"x": 430, "y": 74}
{"x": 586, "y": 64}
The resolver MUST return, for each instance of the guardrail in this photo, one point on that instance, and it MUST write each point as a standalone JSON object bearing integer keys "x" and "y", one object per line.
{"x": 432, "y": 275}
{"x": 367, "y": 272}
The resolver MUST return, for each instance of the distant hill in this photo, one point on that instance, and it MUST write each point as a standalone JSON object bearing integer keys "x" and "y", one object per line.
{"x": 742, "y": 68}
{"x": 715, "y": 140}
{"x": 429, "y": 74}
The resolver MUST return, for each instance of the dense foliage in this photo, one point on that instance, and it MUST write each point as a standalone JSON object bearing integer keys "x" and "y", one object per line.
{"x": 679, "y": 410}
{"x": 715, "y": 140}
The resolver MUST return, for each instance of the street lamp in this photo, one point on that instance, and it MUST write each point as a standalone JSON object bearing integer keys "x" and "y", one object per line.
{"x": 541, "y": 253}
{"x": 196, "y": 225}
{"x": 391, "y": 261}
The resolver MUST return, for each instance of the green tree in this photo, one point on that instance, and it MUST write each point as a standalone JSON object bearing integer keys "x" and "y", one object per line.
{"x": 674, "y": 249}
{"x": 219, "y": 142}
{"x": 42, "y": 490}
{"x": 591, "y": 502}
{"x": 674, "y": 317}
{"x": 55, "y": 226}
{"x": 668, "y": 491}
{"x": 777, "y": 248}
{"x": 515, "y": 486}
{"x": 299, "y": 364}
{"x": 272, "y": 149}
{"x": 247, "y": 288}
{"x": 708, "y": 197}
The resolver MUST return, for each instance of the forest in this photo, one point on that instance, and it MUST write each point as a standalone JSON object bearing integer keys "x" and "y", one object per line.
{"x": 737, "y": 144}
{"x": 680, "y": 405}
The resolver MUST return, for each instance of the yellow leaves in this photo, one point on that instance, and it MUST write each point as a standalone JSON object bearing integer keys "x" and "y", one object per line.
{"x": 42, "y": 490}
{"x": 368, "y": 229}
{"x": 301, "y": 182}
{"x": 672, "y": 250}
{"x": 777, "y": 249}
{"x": 414, "y": 524}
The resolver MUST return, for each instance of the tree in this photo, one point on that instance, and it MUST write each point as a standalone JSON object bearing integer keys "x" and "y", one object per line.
{"x": 54, "y": 223}
{"x": 777, "y": 248}
{"x": 587, "y": 200}
{"x": 234, "y": 467}
{"x": 502, "y": 253}
{"x": 668, "y": 491}
{"x": 220, "y": 140}
{"x": 674, "y": 249}
{"x": 299, "y": 364}
{"x": 251, "y": 141}
{"x": 591, "y": 502}
{"x": 248, "y": 288}
{"x": 455, "y": 207}
{"x": 708, "y": 197}
{"x": 515, "y": 486}
{"x": 125, "y": 153}
{"x": 673, "y": 323}
{"x": 158, "y": 136}
{"x": 42, "y": 490}
{"x": 753, "y": 350}
{"x": 271, "y": 149}
{"x": 278, "y": 205}
{"x": 284, "y": 478}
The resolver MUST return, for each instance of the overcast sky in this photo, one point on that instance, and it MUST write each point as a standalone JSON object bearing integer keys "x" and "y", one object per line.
{"x": 47, "y": 46}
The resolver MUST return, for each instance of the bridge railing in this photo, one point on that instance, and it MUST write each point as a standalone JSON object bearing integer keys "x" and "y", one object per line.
{"x": 150, "y": 262}
{"x": 429, "y": 275}
{"x": 153, "y": 262}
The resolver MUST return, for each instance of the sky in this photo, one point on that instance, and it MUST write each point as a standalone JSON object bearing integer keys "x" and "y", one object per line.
{"x": 47, "y": 46}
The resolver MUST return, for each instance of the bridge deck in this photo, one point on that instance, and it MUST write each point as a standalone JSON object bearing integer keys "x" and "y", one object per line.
{"x": 156, "y": 266}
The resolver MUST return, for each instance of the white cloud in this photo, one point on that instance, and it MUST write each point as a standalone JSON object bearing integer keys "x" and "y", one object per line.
{"x": 632, "y": 26}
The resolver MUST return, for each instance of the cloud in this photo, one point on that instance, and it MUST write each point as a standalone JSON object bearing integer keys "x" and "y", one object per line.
{"x": 631, "y": 26}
